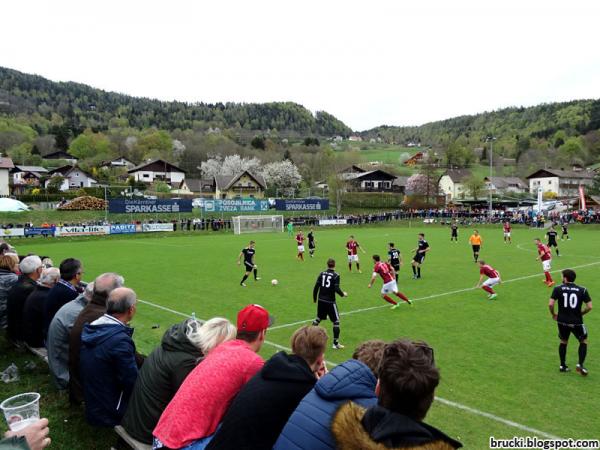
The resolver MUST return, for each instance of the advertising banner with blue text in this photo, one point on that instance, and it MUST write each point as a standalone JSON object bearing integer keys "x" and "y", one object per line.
{"x": 40, "y": 231}
{"x": 123, "y": 228}
{"x": 133, "y": 206}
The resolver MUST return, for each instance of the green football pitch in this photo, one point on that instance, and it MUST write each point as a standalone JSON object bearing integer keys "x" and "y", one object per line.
{"x": 498, "y": 359}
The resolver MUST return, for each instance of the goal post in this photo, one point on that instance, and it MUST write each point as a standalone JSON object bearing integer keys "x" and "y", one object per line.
{"x": 257, "y": 224}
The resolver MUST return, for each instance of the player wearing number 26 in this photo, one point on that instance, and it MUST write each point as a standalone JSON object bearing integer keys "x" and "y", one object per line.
{"x": 325, "y": 290}
{"x": 570, "y": 299}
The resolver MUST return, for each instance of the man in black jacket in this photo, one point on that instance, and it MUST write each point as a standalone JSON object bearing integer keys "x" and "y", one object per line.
{"x": 405, "y": 391}
{"x": 67, "y": 289}
{"x": 33, "y": 311}
{"x": 262, "y": 408}
{"x": 31, "y": 270}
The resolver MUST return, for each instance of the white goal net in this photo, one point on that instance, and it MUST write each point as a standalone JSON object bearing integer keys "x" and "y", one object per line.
{"x": 257, "y": 224}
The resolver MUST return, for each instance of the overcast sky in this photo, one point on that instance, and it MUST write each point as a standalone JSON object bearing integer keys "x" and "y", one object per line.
{"x": 367, "y": 62}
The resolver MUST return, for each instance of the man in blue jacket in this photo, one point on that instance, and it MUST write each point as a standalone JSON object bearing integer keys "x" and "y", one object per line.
{"x": 309, "y": 426}
{"x": 107, "y": 360}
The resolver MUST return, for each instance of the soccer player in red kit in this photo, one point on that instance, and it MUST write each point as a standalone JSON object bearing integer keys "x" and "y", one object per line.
{"x": 485, "y": 270}
{"x": 387, "y": 274}
{"x": 545, "y": 255}
{"x": 352, "y": 247}
{"x": 506, "y": 228}
{"x": 300, "y": 242}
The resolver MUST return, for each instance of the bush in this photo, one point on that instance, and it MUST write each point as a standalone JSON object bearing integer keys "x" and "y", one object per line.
{"x": 370, "y": 200}
{"x": 42, "y": 197}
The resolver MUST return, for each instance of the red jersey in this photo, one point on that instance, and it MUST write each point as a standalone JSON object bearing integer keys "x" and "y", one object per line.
{"x": 352, "y": 247}
{"x": 489, "y": 271}
{"x": 299, "y": 239}
{"x": 384, "y": 270}
{"x": 506, "y": 227}
{"x": 544, "y": 252}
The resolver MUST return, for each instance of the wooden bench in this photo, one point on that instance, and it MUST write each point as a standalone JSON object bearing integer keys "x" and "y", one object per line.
{"x": 40, "y": 352}
{"x": 133, "y": 443}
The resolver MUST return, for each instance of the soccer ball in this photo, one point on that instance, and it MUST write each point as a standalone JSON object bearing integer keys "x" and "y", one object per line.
{"x": 274, "y": 282}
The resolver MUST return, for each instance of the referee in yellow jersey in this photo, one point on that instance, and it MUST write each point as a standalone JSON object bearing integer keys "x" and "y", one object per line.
{"x": 475, "y": 241}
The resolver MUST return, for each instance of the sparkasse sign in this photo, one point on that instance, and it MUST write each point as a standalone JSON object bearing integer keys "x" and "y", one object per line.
{"x": 132, "y": 206}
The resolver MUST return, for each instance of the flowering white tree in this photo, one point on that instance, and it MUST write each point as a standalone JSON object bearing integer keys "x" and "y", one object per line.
{"x": 230, "y": 165}
{"x": 283, "y": 175}
{"x": 419, "y": 184}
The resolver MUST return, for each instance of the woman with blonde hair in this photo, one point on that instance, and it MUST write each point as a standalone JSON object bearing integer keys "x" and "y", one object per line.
{"x": 183, "y": 346}
{"x": 9, "y": 267}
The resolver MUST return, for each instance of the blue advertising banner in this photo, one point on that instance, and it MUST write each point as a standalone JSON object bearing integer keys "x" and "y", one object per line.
{"x": 236, "y": 205}
{"x": 122, "y": 205}
{"x": 302, "y": 204}
{"x": 40, "y": 231}
{"x": 125, "y": 228}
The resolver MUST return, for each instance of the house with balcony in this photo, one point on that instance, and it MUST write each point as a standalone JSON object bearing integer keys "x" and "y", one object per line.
{"x": 158, "y": 170}
{"x": 358, "y": 179}
{"x": 502, "y": 185}
{"x": 242, "y": 185}
{"x": 73, "y": 178}
{"x": 564, "y": 183}
{"x": 26, "y": 177}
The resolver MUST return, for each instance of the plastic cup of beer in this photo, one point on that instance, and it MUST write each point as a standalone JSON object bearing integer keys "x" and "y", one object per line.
{"x": 21, "y": 410}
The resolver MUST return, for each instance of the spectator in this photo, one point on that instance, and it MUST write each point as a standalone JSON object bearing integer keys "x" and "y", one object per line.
{"x": 31, "y": 270}
{"x": 94, "y": 309}
{"x": 9, "y": 266}
{"x": 405, "y": 391}
{"x": 355, "y": 380}
{"x": 183, "y": 346}
{"x": 33, "y": 311}
{"x": 57, "y": 341}
{"x": 107, "y": 360}
{"x": 261, "y": 409}
{"x": 211, "y": 386}
{"x": 32, "y": 437}
{"x": 64, "y": 291}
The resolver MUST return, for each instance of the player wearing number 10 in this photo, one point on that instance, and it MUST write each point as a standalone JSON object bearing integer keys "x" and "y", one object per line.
{"x": 326, "y": 287}
{"x": 570, "y": 298}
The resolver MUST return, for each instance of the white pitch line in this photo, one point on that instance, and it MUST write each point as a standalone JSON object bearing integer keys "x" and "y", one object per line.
{"x": 443, "y": 294}
{"x": 460, "y": 406}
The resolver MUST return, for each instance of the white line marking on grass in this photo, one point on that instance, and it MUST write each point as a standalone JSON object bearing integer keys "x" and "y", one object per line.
{"x": 460, "y": 406}
{"x": 443, "y": 294}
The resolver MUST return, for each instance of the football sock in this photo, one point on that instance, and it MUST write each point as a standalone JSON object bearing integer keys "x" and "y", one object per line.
{"x": 419, "y": 272}
{"x": 357, "y": 266}
{"x": 316, "y": 322}
{"x": 562, "y": 352}
{"x": 255, "y": 274}
{"x": 557, "y": 252}
{"x": 396, "y": 278}
{"x": 548, "y": 277}
{"x": 350, "y": 267}
{"x": 402, "y": 296}
{"x": 244, "y": 279}
{"x": 336, "y": 332}
{"x": 582, "y": 353}
{"x": 487, "y": 289}
{"x": 388, "y": 299}
{"x": 414, "y": 270}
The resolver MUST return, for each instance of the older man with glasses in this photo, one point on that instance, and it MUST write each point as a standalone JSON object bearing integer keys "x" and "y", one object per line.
{"x": 67, "y": 289}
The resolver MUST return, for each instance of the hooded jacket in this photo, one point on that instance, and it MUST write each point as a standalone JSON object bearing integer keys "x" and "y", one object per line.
{"x": 160, "y": 377}
{"x": 108, "y": 370}
{"x": 309, "y": 426}
{"x": 7, "y": 280}
{"x": 16, "y": 302}
{"x": 377, "y": 428}
{"x": 261, "y": 409}
{"x": 92, "y": 311}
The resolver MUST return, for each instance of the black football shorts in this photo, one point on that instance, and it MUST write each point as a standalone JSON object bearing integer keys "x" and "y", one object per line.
{"x": 565, "y": 329}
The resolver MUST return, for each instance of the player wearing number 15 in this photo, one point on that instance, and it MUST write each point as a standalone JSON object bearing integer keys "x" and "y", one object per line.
{"x": 325, "y": 290}
{"x": 570, "y": 298}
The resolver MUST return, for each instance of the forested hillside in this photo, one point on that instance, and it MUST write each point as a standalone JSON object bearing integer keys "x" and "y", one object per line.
{"x": 82, "y": 107}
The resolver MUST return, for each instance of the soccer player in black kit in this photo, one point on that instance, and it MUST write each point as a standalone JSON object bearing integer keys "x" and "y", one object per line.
{"x": 394, "y": 258}
{"x": 421, "y": 250}
{"x": 552, "y": 234}
{"x": 565, "y": 232}
{"x": 249, "y": 266}
{"x": 570, "y": 298}
{"x": 312, "y": 244}
{"x": 454, "y": 232}
{"x": 326, "y": 287}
